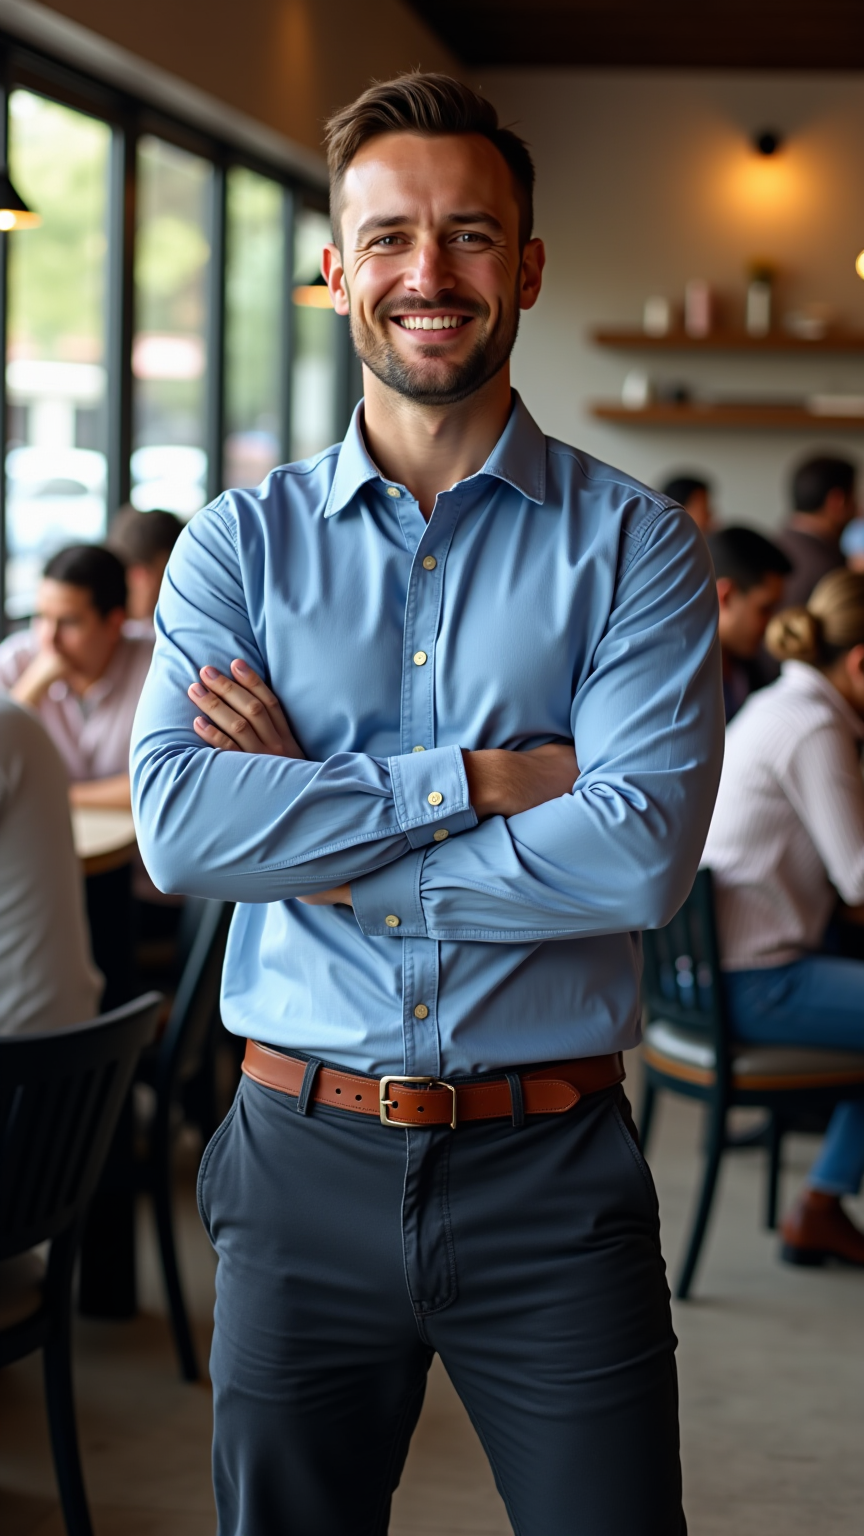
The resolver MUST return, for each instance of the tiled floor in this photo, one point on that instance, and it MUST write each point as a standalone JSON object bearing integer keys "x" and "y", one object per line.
{"x": 770, "y": 1361}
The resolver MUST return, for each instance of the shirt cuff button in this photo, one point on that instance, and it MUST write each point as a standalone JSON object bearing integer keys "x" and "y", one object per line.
{"x": 440, "y": 835}
{"x": 435, "y": 797}
{"x": 392, "y": 922}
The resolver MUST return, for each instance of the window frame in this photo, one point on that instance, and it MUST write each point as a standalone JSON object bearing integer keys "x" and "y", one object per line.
{"x": 130, "y": 118}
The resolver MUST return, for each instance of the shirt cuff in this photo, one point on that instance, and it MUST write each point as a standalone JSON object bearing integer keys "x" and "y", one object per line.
{"x": 387, "y": 902}
{"x": 430, "y": 791}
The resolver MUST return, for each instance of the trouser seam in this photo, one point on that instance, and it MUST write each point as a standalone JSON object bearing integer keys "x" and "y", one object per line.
{"x": 388, "y": 1490}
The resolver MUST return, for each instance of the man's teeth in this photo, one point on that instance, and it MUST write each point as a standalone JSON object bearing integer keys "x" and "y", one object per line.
{"x": 423, "y": 322}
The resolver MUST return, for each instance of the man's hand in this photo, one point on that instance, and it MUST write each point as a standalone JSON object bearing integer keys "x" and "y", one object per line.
{"x": 340, "y": 896}
{"x": 47, "y": 667}
{"x": 244, "y": 714}
{"x": 505, "y": 783}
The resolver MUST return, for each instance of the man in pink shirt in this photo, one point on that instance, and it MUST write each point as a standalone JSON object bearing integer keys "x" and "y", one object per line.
{"x": 80, "y": 672}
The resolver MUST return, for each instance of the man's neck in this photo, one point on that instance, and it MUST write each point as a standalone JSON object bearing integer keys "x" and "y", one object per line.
{"x": 428, "y": 448}
{"x": 817, "y": 526}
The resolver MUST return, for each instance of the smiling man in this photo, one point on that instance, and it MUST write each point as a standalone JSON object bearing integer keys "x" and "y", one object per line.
{"x": 395, "y": 654}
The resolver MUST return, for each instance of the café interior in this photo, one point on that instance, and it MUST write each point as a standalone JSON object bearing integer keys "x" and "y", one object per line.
{"x": 168, "y": 334}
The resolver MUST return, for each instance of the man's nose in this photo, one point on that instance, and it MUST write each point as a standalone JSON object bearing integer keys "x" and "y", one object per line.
{"x": 431, "y": 272}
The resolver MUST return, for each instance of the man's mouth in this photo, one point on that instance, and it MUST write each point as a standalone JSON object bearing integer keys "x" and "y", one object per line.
{"x": 431, "y": 322}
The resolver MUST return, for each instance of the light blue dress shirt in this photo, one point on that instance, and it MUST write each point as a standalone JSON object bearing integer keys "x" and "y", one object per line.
{"x": 548, "y": 598}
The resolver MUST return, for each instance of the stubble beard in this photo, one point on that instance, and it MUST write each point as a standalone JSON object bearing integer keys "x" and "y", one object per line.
{"x": 453, "y": 384}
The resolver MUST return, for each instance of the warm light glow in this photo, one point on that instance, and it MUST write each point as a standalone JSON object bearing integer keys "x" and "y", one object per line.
{"x": 313, "y": 296}
{"x": 859, "y": 263}
{"x": 15, "y": 218}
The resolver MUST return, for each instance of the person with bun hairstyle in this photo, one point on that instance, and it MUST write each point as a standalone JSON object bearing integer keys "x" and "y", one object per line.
{"x": 787, "y": 839}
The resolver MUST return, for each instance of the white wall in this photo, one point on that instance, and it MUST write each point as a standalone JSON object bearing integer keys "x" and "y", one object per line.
{"x": 646, "y": 180}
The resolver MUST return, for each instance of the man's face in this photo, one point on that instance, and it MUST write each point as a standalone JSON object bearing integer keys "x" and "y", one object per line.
{"x": 744, "y": 616}
{"x": 68, "y": 623}
{"x": 143, "y": 583}
{"x": 431, "y": 271}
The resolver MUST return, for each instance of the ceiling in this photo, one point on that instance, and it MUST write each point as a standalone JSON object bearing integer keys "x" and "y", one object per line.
{"x": 713, "y": 34}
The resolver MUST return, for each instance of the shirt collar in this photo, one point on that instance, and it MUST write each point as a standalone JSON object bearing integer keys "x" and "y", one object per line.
{"x": 811, "y": 680}
{"x": 519, "y": 458}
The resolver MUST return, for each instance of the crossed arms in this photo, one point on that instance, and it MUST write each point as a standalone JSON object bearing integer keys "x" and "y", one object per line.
{"x": 532, "y": 857}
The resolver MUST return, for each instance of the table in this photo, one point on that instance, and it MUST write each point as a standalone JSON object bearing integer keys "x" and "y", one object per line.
{"x": 104, "y": 840}
{"x": 105, "y": 844}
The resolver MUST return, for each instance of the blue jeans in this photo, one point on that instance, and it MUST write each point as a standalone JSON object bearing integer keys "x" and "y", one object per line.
{"x": 818, "y": 1002}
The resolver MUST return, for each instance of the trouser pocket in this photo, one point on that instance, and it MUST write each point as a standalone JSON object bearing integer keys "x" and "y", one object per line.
{"x": 215, "y": 1141}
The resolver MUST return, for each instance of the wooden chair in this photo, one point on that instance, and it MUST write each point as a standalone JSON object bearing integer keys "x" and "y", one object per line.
{"x": 689, "y": 1050}
{"x": 60, "y": 1098}
{"x": 181, "y": 1055}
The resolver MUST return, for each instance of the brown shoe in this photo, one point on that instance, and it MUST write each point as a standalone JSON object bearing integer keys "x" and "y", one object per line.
{"x": 817, "y": 1229}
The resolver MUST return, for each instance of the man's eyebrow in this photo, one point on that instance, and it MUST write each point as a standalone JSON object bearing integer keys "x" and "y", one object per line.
{"x": 398, "y": 220}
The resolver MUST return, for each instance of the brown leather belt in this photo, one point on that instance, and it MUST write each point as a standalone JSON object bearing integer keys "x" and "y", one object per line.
{"x": 420, "y": 1101}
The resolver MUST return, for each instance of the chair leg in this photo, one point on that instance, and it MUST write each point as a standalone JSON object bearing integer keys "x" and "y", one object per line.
{"x": 60, "y": 1402}
{"x": 161, "y": 1188}
{"x": 775, "y": 1150}
{"x": 716, "y": 1142}
{"x": 646, "y": 1113}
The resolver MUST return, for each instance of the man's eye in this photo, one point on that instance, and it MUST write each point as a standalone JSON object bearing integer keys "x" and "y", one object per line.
{"x": 470, "y": 237}
{"x": 389, "y": 240}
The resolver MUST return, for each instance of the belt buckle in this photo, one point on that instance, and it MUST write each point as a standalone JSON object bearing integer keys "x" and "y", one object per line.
{"x": 431, "y": 1082}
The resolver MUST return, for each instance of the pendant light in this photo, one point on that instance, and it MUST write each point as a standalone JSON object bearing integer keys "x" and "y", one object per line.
{"x": 14, "y": 213}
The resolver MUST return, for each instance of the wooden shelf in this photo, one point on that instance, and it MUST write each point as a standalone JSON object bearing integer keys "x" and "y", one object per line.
{"x": 785, "y": 418}
{"x": 726, "y": 341}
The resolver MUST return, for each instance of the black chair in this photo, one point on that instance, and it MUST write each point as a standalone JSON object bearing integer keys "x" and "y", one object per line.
{"x": 183, "y": 1056}
{"x": 689, "y": 1050}
{"x": 60, "y": 1098}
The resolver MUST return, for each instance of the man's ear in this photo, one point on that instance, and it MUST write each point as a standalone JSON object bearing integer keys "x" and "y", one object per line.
{"x": 333, "y": 274}
{"x": 855, "y": 662}
{"x": 726, "y": 590}
{"x": 531, "y": 278}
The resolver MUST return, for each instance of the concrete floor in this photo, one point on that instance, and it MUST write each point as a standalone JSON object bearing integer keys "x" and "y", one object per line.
{"x": 770, "y": 1362}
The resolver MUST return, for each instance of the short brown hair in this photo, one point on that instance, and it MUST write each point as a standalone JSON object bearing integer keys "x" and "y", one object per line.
{"x": 427, "y": 104}
{"x": 138, "y": 537}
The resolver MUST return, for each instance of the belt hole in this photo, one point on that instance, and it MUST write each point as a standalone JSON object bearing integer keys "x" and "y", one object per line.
{"x": 338, "y": 1090}
{"x": 395, "y": 1104}
{"x": 420, "y": 1108}
{"x": 358, "y": 1096}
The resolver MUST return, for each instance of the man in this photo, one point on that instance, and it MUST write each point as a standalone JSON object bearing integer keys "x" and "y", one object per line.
{"x": 143, "y": 541}
{"x": 47, "y": 976}
{"x": 749, "y": 571}
{"x": 694, "y": 495}
{"x": 80, "y": 673}
{"x": 823, "y": 495}
{"x": 445, "y": 604}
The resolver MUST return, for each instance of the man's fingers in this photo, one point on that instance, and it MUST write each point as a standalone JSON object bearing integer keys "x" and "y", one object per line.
{"x": 249, "y": 679}
{"x": 243, "y": 705}
{"x": 213, "y": 736}
{"x": 236, "y": 727}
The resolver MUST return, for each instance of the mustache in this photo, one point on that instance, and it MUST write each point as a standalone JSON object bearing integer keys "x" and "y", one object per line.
{"x": 473, "y": 307}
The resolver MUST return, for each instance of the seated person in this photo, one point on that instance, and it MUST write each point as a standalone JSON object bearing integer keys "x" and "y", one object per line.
{"x": 81, "y": 674}
{"x": 143, "y": 541}
{"x": 694, "y": 495}
{"x": 749, "y": 571}
{"x": 824, "y": 501}
{"x": 47, "y": 976}
{"x": 787, "y": 836}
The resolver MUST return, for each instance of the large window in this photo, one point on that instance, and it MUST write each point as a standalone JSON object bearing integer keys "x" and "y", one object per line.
{"x": 165, "y": 326}
{"x": 256, "y": 285}
{"x": 169, "y": 353}
{"x": 318, "y": 335}
{"x": 56, "y": 381}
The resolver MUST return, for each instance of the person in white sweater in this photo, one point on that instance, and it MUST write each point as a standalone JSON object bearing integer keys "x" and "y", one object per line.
{"x": 47, "y": 976}
{"x": 786, "y": 840}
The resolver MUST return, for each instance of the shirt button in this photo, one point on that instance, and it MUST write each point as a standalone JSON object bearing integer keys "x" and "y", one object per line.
{"x": 429, "y": 563}
{"x": 394, "y": 491}
{"x": 420, "y": 658}
{"x": 435, "y": 797}
{"x": 418, "y": 749}
{"x": 440, "y": 835}
{"x": 421, "y": 1011}
{"x": 392, "y": 922}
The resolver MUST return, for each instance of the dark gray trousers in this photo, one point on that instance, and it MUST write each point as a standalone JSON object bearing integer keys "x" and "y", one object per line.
{"x": 528, "y": 1258}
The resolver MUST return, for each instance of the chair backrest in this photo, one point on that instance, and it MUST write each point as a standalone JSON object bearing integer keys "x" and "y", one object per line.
{"x": 681, "y": 979}
{"x": 60, "y": 1099}
{"x": 195, "y": 1010}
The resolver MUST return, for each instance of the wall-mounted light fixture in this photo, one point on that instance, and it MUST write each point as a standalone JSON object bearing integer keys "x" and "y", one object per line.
{"x": 859, "y": 264}
{"x": 14, "y": 213}
{"x": 767, "y": 141}
{"x": 314, "y": 295}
